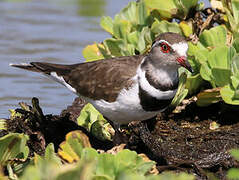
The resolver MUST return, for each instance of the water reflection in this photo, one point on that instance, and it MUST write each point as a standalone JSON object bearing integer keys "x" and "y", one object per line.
{"x": 46, "y": 30}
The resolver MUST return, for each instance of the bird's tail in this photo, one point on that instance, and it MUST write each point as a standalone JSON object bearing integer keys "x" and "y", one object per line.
{"x": 56, "y": 72}
{"x": 46, "y": 68}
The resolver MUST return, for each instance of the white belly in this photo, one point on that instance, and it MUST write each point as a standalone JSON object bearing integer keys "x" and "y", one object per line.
{"x": 125, "y": 109}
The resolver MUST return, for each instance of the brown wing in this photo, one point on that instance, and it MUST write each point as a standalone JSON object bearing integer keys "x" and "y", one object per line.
{"x": 105, "y": 78}
{"x": 98, "y": 79}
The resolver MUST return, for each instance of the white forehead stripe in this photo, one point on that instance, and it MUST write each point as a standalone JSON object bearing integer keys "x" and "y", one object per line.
{"x": 181, "y": 48}
{"x": 159, "y": 42}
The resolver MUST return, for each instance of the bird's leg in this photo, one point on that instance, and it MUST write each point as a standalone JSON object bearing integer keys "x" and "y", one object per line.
{"x": 120, "y": 137}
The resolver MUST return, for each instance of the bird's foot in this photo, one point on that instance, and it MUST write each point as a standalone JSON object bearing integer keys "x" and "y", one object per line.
{"x": 120, "y": 137}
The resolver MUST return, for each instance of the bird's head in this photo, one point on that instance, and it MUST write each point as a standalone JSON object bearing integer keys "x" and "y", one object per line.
{"x": 170, "y": 49}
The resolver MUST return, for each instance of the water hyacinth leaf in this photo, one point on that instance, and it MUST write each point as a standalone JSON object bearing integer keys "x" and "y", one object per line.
{"x": 235, "y": 10}
{"x": 214, "y": 37}
{"x": 181, "y": 92}
{"x": 121, "y": 29}
{"x": 206, "y": 72}
{"x": 235, "y": 82}
{"x": 197, "y": 56}
{"x": 159, "y": 27}
{"x": 166, "y": 9}
{"x": 12, "y": 146}
{"x": 202, "y": 56}
{"x": 133, "y": 38}
{"x": 88, "y": 116}
{"x": 104, "y": 51}
{"x": 229, "y": 96}
{"x": 70, "y": 150}
{"x": 80, "y": 171}
{"x": 193, "y": 83}
{"x": 105, "y": 167}
{"x": 235, "y": 44}
{"x": 89, "y": 154}
{"x": 117, "y": 47}
{"x": 221, "y": 77}
{"x": 235, "y": 65}
{"x": 235, "y": 153}
{"x": 218, "y": 58}
{"x": 141, "y": 41}
{"x": 106, "y": 23}
{"x": 50, "y": 154}
{"x": 102, "y": 130}
{"x": 142, "y": 13}
{"x": 128, "y": 13}
{"x": 186, "y": 28}
{"x": 189, "y": 4}
{"x": 209, "y": 96}
{"x": 125, "y": 161}
{"x": 233, "y": 173}
{"x": 92, "y": 53}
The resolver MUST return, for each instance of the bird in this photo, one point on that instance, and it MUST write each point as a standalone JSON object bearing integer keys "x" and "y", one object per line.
{"x": 127, "y": 88}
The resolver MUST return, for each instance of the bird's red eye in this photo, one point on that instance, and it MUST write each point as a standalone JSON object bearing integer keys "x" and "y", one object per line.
{"x": 165, "y": 48}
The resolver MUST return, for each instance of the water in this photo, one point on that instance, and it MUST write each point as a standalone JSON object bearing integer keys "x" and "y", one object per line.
{"x": 49, "y": 31}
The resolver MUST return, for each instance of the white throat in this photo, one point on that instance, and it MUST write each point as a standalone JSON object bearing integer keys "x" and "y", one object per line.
{"x": 165, "y": 76}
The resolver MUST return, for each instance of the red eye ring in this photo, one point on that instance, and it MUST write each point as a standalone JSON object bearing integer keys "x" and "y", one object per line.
{"x": 165, "y": 48}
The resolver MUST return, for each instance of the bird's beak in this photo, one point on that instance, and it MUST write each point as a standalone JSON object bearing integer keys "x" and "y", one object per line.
{"x": 184, "y": 62}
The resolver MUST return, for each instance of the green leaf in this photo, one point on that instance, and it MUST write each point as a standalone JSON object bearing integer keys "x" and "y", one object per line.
{"x": 159, "y": 27}
{"x": 194, "y": 83}
{"x": 166, "y": 10}
{"x": 117, "y": 47}
{"x": 189, "y": 4}
{"x": 106, "y": 23}
{"x": 95, "y": 123}
{"x": 229, "y": 95}
{"x": 214, "y": 37}
{"x": 105, "y": 166}
{"x": 233, "y": 174}
{"x": 81, "y": 171}
{"x": 206, "y": 72}
{"x": 92, "y": 53}
{"x": 88, "y": 116}
{"x": 218, "y": 57}
{"x": 102, "y": 130}
{"x": 235, "y": 82}
{"x": 142, "y": 43}
{"x": 121, "y": 29}
{"x": 181, "y": 92}
{"x": 128, "y": 13}
{"x": 133, "y": 38}
{"x": 12, "y": 146}
{"x": 89, "y": 154}
{"x": 235, "y": 44}
{"x": 235, "y": 10}
{"x": 186, "y": 28}
{"x": 235, "y": 65}
{"x": 208, "y": 97}
{"x": 50, "y": 154}
{"x": 126, "y": 161}
{"x": 71, "y": 149}
{"x": 142, "y": 13}
{"x": 221, "y": 77}
{"x": 235, "y": 153}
